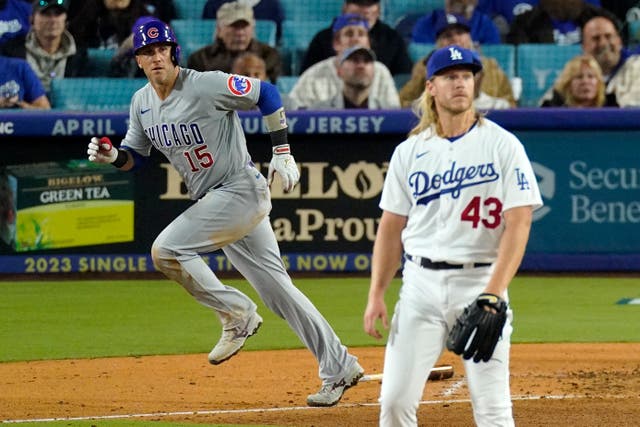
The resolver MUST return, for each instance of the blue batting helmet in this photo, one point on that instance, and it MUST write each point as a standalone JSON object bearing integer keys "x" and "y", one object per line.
{"x": 150, "y": 31}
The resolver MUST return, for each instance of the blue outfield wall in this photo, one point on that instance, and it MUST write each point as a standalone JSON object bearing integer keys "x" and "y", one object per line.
{"x": 587, "y": 164}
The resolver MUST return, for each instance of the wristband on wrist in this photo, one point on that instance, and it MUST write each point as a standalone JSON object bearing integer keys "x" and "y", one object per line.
{"x": 278, "y": 137}
{"x": 121, "y": 159}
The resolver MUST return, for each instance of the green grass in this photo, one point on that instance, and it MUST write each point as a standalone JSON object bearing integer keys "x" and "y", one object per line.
{"x": 82, "y": 319}
{"x": 574, "y": 309}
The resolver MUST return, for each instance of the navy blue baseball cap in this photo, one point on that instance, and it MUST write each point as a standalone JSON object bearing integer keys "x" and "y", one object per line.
{"x": 349, "y": 19}
{"x": 444, "y": 21}
{"x": 452, "y": 56}
{"x": 42, "y": 5}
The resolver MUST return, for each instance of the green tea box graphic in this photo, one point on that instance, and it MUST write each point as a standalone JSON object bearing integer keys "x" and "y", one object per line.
{"x": 67, "y": 204}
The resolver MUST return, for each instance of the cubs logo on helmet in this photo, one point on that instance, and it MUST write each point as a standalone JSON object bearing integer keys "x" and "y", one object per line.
{"x": 238, "y": 85}
{"x": 148, "y": 31}
{"x": 153, "y": 33}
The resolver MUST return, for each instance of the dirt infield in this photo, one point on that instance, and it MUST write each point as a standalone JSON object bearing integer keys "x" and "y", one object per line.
{"x": 552, "y": 385}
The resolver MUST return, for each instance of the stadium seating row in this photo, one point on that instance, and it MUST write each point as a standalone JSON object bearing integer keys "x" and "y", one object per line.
{"x": 196, "y": 33}
{"x": 536, "y": 66}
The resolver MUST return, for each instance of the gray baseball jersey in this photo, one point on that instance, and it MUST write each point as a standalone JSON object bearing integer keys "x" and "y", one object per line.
{"x": 197, "y": 128}
{"x": 203, "y": 121}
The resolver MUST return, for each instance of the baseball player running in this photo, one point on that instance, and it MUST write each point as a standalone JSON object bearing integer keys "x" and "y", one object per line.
{"x": 191, "y": 118}
{"x": 457, "y": 200}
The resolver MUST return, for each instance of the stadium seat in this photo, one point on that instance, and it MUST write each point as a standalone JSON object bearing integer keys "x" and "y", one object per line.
{"x": 94, "y": 94}
{"x": 505, "y": 54}
{"x": 99, "y": 61}
{"x": 394, "y": 10}
{"x": 401, "y": 79}
{"x": 286, "y": 83}
{"x": 300, "y": 10}
{"x": 634, "y": 32}
{"x": 417, "y": 51}
{"x": 192, "y": 34}
{"x": 189, "y": 9}
{"x": 404, "y": 25}
{"x": 296, "y": 36}
{"x": 538, "y": 65}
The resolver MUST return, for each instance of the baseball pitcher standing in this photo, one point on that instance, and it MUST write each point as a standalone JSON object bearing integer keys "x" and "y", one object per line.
{"x": 457, "y": 201}
{"x": 191, "y": 118}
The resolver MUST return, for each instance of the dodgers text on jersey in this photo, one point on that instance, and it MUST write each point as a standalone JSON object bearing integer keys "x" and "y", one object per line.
{"x": 453, "y": 180}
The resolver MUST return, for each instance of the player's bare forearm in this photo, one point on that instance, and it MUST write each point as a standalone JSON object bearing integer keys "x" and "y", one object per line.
{"x": 511, "y": 249}
{"x": 387, "y": 252}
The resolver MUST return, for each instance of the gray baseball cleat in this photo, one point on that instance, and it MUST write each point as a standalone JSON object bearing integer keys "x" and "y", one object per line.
{"x": 232, "y": 340}
{"x": 331, "y": 393}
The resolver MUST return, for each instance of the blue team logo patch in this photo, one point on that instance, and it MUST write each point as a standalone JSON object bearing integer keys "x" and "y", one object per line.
{"x": 238, "y": 85}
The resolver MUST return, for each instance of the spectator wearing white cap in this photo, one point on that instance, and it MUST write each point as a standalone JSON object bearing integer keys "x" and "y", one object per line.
{"x": 321, "y": 81}
{"x": 268, "y": 10}
{"x": 235, "y": 34}
{"x": 356, "y": 70}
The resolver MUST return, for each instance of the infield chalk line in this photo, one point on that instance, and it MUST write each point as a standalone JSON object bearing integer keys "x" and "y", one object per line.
{"x": 247, "y": 411}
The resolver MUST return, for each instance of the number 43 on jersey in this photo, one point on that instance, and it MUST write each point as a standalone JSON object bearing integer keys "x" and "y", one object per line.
{"x": 486, "y": 212}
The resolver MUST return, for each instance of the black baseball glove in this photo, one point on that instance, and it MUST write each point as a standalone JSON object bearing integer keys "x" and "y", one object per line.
{"x": 479, "y": 328}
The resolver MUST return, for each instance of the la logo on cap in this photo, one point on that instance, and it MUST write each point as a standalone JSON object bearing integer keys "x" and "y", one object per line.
{"x": 456, "y": 55}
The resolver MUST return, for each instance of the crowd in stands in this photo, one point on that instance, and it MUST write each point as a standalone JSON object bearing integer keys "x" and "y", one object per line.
{"x": 356, "y": 61}
{"x": 493, "y": 88}
{"x": 235, "y": 34}
{"x": 321, "y": 81}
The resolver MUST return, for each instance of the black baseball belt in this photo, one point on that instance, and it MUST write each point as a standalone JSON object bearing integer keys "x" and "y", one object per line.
{"x": 443, "y": 265}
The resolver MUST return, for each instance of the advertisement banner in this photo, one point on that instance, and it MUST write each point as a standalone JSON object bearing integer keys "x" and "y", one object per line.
{"x": 63, "y": 205}
{"x": 590, "y": 183}
{"x": 586, "y": 162}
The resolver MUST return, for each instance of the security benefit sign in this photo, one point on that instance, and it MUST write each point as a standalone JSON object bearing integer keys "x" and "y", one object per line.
{"x": 590, "y": 185}
{"x": 67, "y": 204}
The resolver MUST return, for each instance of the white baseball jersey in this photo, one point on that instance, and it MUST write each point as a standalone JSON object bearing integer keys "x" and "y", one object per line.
{"x": 205, "y": 121}
{"x": 454, "y": 192}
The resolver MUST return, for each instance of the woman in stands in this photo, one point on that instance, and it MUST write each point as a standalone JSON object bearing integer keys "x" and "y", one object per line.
{"x": 580, "y": 84}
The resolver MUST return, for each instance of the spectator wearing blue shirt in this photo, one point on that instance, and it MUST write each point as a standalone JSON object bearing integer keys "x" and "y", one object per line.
{"x": 554, "y": 21}
{"x": 483, "y": 30}
{"x": 19, "y": 85}
{"x": 270, "y": 10}
{"x": 503, "y": 12}
{"x": 14, "y": 19}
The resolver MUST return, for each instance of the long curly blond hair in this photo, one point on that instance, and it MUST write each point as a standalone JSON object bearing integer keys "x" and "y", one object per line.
{"x": 425, "y": 109}
{"x": 571, "y": 70}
